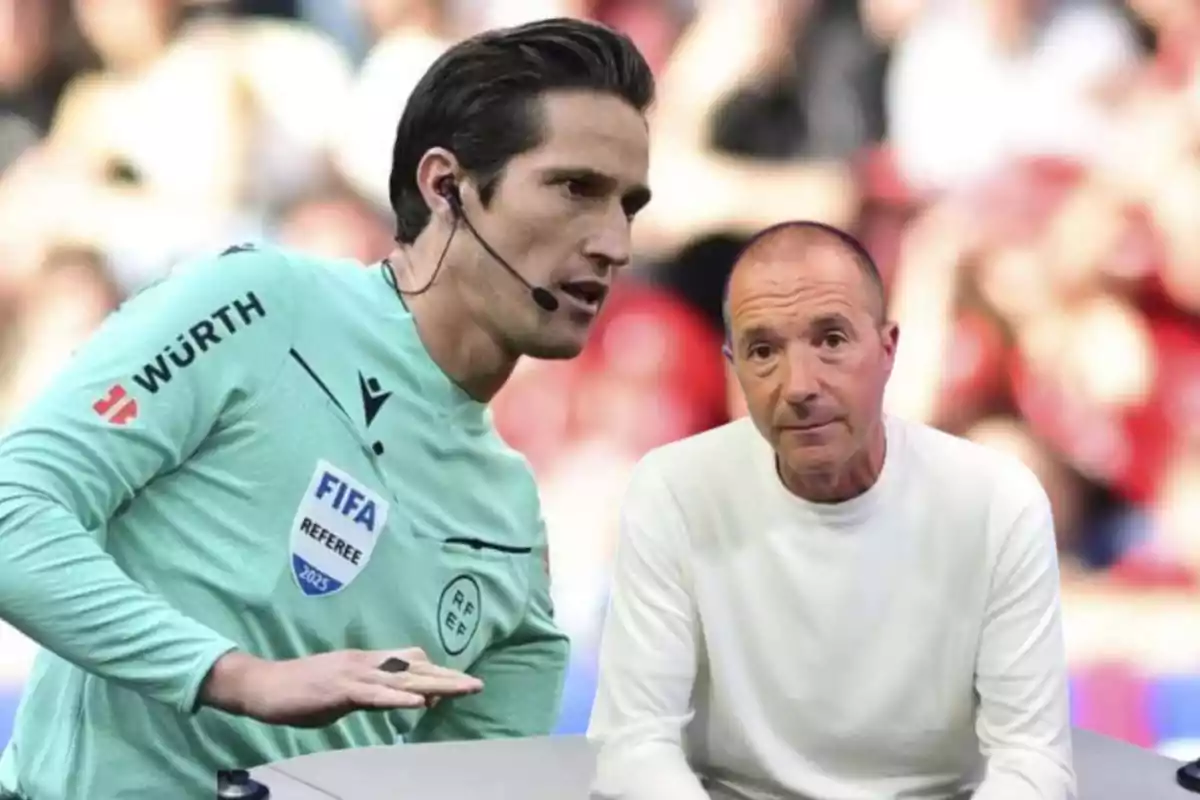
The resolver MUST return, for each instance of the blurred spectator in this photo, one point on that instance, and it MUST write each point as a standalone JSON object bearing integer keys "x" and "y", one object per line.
{"x": 336, "y": 224}
{"x": 189, "y": 134}
{"x": 654, "y": 25}
{"x": 1176, "y": 28}
{"x": 1063, "y": 485}
{"x": 128, "y": 35}
{"x": 976, "y": 83}
{"x": 737, "y": 138}
{"x": 1178, "y": 508}
{"x": 384, "y": 18}
{"x": 483, "y": 14}
{"x": 152, "y": 142}
{"x": 65, "y": 301}
{"x": 819, "y": 94}
{"x": 1173, "y": 211}
{"x": 39, "y": 53}
{"x": 651, "y": 373}
{"x": 297, "y": 83}
{"x": 407, "y": 37}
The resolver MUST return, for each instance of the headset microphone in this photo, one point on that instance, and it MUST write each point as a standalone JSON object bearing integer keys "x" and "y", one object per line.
{"x": 542, "y": 296}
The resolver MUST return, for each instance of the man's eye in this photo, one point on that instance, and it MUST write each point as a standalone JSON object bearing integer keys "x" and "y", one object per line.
{"x": 578, "y": 188}
{"x": 834, "y": 339}
{"x": 758, "y": 352}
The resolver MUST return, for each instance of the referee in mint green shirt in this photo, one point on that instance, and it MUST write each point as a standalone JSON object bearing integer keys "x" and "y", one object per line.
{"x": 269, "y": 475}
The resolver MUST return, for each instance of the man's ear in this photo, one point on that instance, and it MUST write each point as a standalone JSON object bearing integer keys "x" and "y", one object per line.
{"x": 890, "y": 335}
{"x": 435, "y": 167}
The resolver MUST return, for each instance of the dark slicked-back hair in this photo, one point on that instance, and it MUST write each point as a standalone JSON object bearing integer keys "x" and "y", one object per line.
{"x": 796, "y": 234}
{"x": 479, "y": 100}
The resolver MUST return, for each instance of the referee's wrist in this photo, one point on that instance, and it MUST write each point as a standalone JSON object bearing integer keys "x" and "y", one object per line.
{"x": 226, "y": 685}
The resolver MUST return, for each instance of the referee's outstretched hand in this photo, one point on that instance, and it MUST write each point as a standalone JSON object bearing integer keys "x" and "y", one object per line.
{"x": 315, "y": 691}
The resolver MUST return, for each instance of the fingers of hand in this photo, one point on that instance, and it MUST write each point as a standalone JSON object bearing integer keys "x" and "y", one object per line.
{"x": 408, "y": 689}
{"x": 436, "y": 671}
{"x": 410, "y": 680}
{"x": 418, "y": 663}
{"x": 421, "y": 680}
{"x": 378, "y": 695}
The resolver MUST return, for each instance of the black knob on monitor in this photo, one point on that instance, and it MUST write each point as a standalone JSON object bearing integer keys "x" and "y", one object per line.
{"x": 1189, "y": 776}
{"x": 236, "y": 784}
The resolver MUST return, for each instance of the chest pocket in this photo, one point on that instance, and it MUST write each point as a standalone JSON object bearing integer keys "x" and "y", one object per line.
{"x": 451, "y": 596}
{"x": 481, "y": 591}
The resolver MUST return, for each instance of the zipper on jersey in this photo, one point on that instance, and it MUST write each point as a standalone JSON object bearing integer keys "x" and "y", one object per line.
{"x": 480, "y": 544}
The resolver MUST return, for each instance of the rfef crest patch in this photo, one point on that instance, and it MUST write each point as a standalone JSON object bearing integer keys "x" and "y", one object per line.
{"x": 459, "y": 611}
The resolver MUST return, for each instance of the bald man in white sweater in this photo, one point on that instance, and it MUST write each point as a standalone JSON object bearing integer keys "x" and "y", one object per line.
{"x": 821, "y": 602}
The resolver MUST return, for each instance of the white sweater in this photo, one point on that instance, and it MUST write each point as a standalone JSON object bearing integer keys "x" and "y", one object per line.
{"x": 906, "y": 643}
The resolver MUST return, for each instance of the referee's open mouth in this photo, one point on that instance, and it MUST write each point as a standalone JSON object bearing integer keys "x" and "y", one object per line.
{"x": 587, "y": 293}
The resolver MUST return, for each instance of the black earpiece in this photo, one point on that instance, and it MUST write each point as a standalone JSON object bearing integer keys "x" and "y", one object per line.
{"x": 448, "y": 189}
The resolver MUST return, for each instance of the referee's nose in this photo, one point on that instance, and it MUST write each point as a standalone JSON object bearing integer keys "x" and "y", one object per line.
{"x": 610, "y": 246}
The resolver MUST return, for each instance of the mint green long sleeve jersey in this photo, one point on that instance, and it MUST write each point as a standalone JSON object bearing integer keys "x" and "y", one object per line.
{"x": 258, "y": 453}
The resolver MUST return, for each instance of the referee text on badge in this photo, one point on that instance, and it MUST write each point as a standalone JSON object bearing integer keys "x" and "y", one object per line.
{"x": 334, "y": 530}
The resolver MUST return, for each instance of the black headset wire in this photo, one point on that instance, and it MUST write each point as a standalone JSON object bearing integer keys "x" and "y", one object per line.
{"x": 389, "y": 269}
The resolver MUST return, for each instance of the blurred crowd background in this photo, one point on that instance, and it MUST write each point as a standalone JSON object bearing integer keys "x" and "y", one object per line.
{"x": 1027, "y": 173}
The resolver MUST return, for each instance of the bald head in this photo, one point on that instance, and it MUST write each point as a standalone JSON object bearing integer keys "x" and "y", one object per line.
{"x": 812, "y": 352}
{"x": 795, "y": 242}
